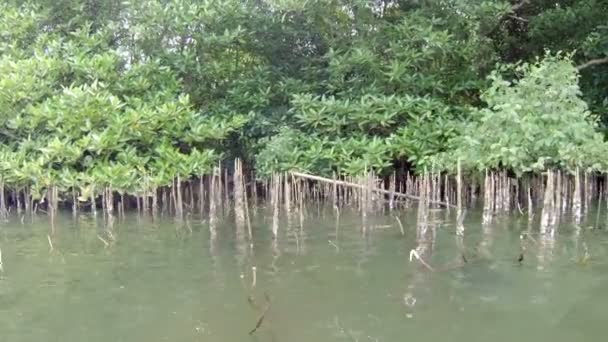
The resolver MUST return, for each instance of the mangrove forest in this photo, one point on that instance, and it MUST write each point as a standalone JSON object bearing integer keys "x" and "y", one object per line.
{"x": 428, "y": 160}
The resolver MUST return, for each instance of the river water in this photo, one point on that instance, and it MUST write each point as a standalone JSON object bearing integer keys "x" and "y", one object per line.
{"x": 326, "y": 279}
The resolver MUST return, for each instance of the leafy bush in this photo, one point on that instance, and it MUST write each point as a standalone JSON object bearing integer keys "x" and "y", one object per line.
{"x": 535, "y": 122}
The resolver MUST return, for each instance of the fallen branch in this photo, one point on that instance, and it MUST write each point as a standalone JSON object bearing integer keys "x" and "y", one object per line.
{"x": 359, "y": 186}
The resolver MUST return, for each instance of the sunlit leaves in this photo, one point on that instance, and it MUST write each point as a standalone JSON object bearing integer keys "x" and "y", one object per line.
{"x": 73, "y": 116}
{"x": 535, "y": 122}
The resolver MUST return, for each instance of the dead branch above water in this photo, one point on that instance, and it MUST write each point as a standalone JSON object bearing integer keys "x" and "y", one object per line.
{"x": 359, "y": 186}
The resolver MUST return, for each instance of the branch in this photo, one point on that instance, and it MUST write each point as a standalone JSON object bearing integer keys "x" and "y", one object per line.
{"x": 592, "y": 63}
{"x": 519, "y": 5}
{"x": 415, "y": 254}
{"x": 519, "y": 18}
{"x": 511, "y": 13}
{"x": 359, "y": 186}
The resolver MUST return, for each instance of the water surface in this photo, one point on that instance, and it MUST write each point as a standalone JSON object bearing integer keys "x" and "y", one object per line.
{"x": 327, "y": 279}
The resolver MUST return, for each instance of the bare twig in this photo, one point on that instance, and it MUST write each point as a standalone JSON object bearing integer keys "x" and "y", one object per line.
{"x": 48, "y": 237}
{"x": 592, "y": 63}
{"x": 519, "y": 208}
{"x": 415, "y": 254}
{"x": 335, "y": 246}
{"x": 106, "y": 244}
{"x": 518, "y": 18}
{"x": 400, "y": 225}
{"x": 447, "y": 267}
{"x": 519, "y": 5}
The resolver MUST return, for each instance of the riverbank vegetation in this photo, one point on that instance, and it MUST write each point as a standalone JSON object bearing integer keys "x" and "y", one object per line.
{"x": 123, "y": 104}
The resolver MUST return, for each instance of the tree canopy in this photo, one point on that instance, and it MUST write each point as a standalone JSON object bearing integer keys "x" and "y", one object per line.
{"x": 125, "y": 93}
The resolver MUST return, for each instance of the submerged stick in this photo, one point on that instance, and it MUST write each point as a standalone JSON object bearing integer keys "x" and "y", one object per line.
{"x": 48, "y": 237}
{"x": 335, "y": 246}
{"x": 413, "y": 254}
{"x": 262, "y": 316}
{"x": 103, "y": 240}
{"x": 519, "y": 208}
{"x": 1, "y": 264}
{"x": 447, "y": 267}
{"x": 520, "y": 259}
{"x": 364, "y": 187}
{"x": 400, "y": 225}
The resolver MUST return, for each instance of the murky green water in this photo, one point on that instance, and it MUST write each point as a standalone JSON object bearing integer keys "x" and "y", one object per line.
{"x": 327, "y": 282}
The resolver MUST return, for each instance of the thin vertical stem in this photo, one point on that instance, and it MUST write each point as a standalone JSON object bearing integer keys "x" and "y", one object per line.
{"x": 460, "y": 227}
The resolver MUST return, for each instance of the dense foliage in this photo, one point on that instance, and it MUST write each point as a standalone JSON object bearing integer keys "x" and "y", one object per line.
{"x": 533, "y": 123}
{"x": 132, "y": 94}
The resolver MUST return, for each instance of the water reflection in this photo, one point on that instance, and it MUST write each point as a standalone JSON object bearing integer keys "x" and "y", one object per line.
{"x": 241, "y": 246}
{"x": 485, "y": 245}
{"x": 546, "y": 246}
{"x": 425, "y": 238}
{"x": 159, "y": 283}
